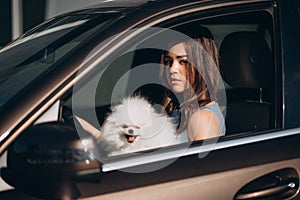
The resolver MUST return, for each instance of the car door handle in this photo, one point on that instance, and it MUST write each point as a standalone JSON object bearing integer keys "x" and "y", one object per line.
{"x": 277, "y": 190}
{"x": 279, "y": 184}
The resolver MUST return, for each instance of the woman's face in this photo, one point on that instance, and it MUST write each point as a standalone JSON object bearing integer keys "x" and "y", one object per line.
{"x": 176, "y": 61}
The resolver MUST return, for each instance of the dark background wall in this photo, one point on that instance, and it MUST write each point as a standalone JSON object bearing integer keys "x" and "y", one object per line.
{"x": 33, "y": 12}
{"x": 5, "y": 21}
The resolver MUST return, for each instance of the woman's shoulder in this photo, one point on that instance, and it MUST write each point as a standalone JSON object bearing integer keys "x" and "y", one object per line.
{"x": 202, "y": 116}
{"x": 214, "y": 109}
{"x": 208, "y": 112}
{"x": 203, "y": 124}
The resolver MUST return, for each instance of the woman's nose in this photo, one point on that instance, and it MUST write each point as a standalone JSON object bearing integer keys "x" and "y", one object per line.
{"x": 174, "y": 68}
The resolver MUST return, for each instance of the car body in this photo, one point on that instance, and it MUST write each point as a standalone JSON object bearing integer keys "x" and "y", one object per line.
{"x": 72, "y": 64}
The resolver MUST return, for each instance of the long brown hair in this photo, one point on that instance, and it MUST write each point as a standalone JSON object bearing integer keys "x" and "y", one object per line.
{"x": 202, "y": 73}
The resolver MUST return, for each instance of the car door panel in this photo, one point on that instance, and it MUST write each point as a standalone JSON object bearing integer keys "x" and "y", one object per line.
{"x": 228, "y": 169}
{"x": 223, "y": 185}
{"x": 220, "y": 175}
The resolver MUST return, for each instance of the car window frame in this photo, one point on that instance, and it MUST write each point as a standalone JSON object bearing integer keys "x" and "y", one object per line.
{"x": 197, "y": 147}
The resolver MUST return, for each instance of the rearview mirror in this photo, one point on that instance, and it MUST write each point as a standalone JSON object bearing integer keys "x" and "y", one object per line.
{"x": 47, "y": 160}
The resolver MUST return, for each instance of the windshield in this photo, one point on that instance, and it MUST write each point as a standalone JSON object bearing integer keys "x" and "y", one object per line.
{"x": 32, "y": 54}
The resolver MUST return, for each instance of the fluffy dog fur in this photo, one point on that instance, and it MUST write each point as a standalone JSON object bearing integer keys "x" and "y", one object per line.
{"x": 134, "y": 125}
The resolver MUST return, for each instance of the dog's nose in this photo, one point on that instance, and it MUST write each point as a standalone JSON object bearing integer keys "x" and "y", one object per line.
{"x": 130, "y": 131}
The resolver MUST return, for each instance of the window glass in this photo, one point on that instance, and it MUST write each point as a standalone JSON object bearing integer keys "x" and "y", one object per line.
{"x": 48, "y": 45}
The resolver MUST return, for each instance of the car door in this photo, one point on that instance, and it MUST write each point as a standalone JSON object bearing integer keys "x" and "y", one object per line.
{"x": 258, "y": 158}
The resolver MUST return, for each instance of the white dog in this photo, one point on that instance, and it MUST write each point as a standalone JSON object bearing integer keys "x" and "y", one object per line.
{"x": 134, "y": 125}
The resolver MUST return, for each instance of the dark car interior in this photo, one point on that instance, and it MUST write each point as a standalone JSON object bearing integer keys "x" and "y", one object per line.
{"x": 248, "y": 68}
{"x": 245, "y": 44}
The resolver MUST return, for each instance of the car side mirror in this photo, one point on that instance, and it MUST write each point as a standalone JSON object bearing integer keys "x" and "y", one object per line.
{"x": 47, "y": 160}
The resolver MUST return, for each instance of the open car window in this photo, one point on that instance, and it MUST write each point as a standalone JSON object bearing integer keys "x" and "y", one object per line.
{"x": 249, "y": 104}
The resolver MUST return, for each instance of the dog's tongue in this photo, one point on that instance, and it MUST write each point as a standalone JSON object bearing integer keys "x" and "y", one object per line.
{"x": 131, "y": 139}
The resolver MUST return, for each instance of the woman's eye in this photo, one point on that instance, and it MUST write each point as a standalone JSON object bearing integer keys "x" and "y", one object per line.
{"x": 183, "y": 62}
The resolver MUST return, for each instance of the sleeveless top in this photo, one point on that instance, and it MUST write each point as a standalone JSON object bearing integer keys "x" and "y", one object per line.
{"x": 214, "y": 108}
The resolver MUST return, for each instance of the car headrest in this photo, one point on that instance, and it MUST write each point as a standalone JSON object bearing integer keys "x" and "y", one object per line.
{"x": 246, "y": 60}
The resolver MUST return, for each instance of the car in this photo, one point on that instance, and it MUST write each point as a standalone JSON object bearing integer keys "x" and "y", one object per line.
{"x": 59, "y": 81}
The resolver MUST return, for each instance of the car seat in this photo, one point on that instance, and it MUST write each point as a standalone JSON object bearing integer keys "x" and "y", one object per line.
{"x": 247, "y": 68}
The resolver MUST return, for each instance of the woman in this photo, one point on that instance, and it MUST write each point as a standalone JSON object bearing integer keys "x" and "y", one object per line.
{"x": 191, "y": 71}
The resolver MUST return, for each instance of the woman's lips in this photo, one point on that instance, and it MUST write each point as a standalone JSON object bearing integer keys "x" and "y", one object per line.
{"x": 175, "y": 80}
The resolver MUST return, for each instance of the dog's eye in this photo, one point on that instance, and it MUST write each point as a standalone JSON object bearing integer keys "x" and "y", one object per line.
{"x": 137, "y": 127}
{"x": 124, "y": 126}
